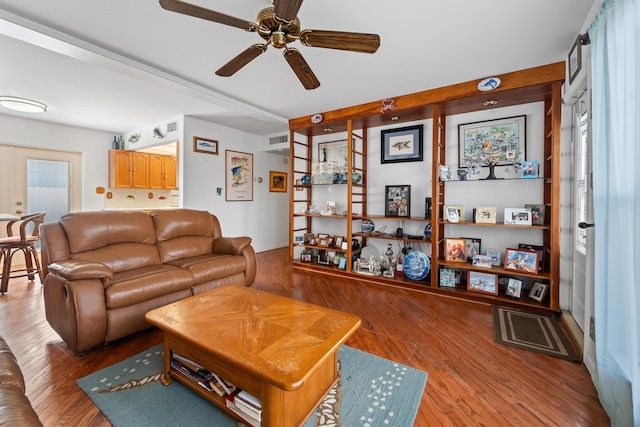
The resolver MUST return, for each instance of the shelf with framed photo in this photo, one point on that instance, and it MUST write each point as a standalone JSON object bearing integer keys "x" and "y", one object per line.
{"x": 532, "y": 96}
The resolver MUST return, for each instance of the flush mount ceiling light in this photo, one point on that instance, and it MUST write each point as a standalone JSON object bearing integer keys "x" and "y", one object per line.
{"x": 22, "y": 104}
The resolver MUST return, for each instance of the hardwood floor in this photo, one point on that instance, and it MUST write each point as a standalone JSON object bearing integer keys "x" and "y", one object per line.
{"x": 472, "y": 381}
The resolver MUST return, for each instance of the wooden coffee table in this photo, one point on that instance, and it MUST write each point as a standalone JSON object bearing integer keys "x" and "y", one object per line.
{"x": 282, "y": 351}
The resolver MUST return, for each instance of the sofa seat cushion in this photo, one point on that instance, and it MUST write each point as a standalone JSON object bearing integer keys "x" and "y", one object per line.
{"x": 142, "y": 284}
{"x": 206, "y": 268}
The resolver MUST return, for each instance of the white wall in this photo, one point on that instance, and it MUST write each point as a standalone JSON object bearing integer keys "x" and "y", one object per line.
{"x": 266, "y": 217}
{"x": 94, "y": 146}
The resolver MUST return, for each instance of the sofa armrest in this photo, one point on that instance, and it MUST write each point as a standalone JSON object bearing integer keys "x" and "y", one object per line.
{"x": 80, "y": 270}
{"x": 230, "y": 245}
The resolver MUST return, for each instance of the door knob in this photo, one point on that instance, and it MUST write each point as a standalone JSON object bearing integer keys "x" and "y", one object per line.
{"x": 586, "y": 225}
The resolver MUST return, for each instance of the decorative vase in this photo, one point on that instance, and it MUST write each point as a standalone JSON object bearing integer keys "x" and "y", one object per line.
{"x": 306, "y": 179}
{"x": 367, "y": 226}
{"x": 356, "y": 177}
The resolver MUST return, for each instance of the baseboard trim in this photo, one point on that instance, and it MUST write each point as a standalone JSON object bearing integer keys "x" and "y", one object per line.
{"x": 574, "y": 331}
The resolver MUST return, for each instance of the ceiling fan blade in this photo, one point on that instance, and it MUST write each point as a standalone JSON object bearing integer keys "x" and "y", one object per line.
{"x": 287, "y": 10}
{"x": 301, "y": 68}
{"x": 246, "y": 56}
{"x": 208, "y": 14}
{"x": 355, "y": 42}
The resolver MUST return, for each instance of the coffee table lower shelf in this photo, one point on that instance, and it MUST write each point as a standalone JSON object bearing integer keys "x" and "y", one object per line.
{"x": 280, "y": 408}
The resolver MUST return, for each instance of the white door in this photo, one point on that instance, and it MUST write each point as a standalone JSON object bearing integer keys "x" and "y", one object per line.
{"x": 583, "y": 254}
{"x": 35, "y": 180}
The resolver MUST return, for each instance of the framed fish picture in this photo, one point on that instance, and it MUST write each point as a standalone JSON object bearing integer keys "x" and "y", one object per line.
{"x": 401, "y": 144}
{"x": 239, "y": 176}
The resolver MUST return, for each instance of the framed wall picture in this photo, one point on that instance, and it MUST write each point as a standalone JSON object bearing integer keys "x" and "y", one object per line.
{"x": 482, "y": 282}
{"x": 514, "y": 288}
{"x": 529, "y": 169}
{"x": 538, "y": 291}
{"x": 521, "y": 260}
{"x": 204, "y": 145}
{"x": 499, "y": 142}
{"x": 335, "y": 152}
{"x": 397, "y": 200}
{"x": 455, "y": 250}
{"x": 278, "y": 182}
{"x": 239, "y": 176}
{"x": 574, "y": 60}
{"x": 401, "y": 145}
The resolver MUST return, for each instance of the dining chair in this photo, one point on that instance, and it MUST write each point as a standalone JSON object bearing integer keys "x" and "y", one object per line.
{"x": 24, "y": 241}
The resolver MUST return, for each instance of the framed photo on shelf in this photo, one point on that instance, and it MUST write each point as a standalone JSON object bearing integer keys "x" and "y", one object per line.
{"x": 499, "y": 142}
{"x": 277, "y": 182}
{"x": 238, "y": 176}
{"x": 482, "y": 282}
{"x": 537, "y": 248}
{"x": 448, "y": 278}
{"x": 517, "y": 216}
{"x": 537, "y": 213}
{"x": 496, "y": 256}
{"x": 337, "y": 241}
{"x": 538, "y": 291}
{"x": 521, "y": 260}
{"x": 514, "y": 288}
{"x": 453, "y": 213}
{"x": 444, "y": 173}
{"x": 455, "y": 250}
{"x": 529, "y": 169}
{"x": 401, "y": 144}
{"x": 473, "y": 246}
{"x": 484, "y": 215}
{"x": 397, "y": 200}
{"x": 482, "y": 261}
{"x": 204, "y": 145}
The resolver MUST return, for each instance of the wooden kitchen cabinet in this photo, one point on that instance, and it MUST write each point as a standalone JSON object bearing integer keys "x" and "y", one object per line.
{"x": 162, "y": 172}
{"x": 128, "y": 169}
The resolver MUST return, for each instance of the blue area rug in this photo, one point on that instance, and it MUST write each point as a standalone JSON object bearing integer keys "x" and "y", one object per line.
{"x": 372, "y": 392}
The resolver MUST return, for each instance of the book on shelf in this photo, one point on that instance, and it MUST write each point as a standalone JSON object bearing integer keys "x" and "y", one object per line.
{"x": 187, "y": 362}
{"x": 242, "y": 414}
{"x": 196, "y": 377}
{"x": 249, "y": 404}
{"x": 226, "y": 385}
{"x": 202, "y": 376}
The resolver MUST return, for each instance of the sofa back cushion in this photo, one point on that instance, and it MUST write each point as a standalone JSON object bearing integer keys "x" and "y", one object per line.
{"x": 122, "y": 240}
{"x": 184, "y": 233}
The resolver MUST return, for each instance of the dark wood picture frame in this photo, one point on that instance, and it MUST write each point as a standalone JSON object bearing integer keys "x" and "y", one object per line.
{"x": 397, "y": 201}
{"x": 401, "y": 144}
{"x": 574, "y": 61}
{"x": 205, "y": 145}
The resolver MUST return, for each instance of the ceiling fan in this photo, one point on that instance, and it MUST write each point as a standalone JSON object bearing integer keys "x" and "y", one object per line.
{"x": 279, "y": 25}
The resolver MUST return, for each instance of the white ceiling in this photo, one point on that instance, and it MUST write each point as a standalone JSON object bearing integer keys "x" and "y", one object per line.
{"x": 120, "y": 64}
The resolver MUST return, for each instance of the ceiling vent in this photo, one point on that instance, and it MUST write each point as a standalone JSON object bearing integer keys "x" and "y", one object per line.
{"x": 278, "y": 139}
{"x": 172, "y": 127}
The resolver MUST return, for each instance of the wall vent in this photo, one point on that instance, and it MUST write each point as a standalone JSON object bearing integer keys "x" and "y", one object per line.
{"x": 278, "y": 139}
{"x": 172, "y": 127}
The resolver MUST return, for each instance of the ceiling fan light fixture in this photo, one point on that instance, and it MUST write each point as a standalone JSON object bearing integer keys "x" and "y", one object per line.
{"x": 22, "y": 104}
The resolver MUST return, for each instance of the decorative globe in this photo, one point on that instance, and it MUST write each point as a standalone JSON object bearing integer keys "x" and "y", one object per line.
{"x": 306, "y": 179}
{"x": 427, "y": 231}
{"x": 355, "y": 178}
{"x": 367, "y": 226}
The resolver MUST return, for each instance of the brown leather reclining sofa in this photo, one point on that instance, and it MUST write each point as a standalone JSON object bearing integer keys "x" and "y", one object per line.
{"x": 105, "y": 270}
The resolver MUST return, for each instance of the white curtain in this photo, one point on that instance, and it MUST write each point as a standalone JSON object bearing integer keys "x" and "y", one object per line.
{"x": 615, "y": 37}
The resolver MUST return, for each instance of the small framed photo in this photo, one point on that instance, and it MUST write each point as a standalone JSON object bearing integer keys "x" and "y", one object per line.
{"x": 484, "y": 215}
{"x": 298, "y": 239}
{"x": 324, "y": 242}
{"x": 344, "y": 246}
{"x": 521, "y": 260}
{"x": 337, "y": 241}
{"x": 537, "y": 213}
{"x": 486, "y": 283}
{"x": 575, "y": 59}
{"x": 529, "y": 169}
{"x": 482, "y": 261}
{"x": 401, "y": 145}
{"x": 514, "y": 288}
{"x": 306, "y": 257}
{"x": 538, "y": 248}
{"x": 277, "y": 182}
{"x": 495, "y": 255}
{"x": 342, "y": 265}
{"x": 397, "y": 200}
{"x": 538, "y": 291}
{"x": 448, "y": 278}
{"x": 455, "y": 250}
{"x": 323, "y": 257}
{"x": 517, "y": 216}
{"x": 473, "y": 246}
{"x": 204, "y": 145}
{"x": 308, "y": 237}
{"x": 444, "y": 173}
{"x": 331, "y": 207}
{"x": 453, "y": 213}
